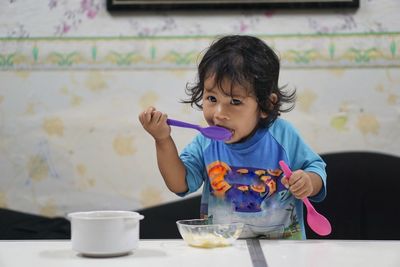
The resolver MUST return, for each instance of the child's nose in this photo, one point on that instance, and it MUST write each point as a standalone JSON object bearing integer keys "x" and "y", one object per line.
{"x": 221, "y": 113}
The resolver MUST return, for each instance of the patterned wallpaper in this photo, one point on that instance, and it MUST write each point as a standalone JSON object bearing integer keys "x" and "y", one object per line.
{"x": 74, "y": 79}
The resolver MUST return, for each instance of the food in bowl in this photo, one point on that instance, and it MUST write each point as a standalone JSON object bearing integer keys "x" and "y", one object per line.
{"x": 199, "y": 233}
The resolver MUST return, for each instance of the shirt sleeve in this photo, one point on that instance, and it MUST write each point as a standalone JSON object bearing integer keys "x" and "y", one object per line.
{"x": 300, "y": 155}
{"x": 193, "y": 159}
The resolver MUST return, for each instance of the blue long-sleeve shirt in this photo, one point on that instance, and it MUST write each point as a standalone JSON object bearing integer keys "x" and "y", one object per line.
{"x": 242, "y": 182}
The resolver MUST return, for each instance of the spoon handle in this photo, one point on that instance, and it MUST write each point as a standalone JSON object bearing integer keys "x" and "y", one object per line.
{"x": 308, "y": 204}
{"x": 182, "y": 124}
{"x": 285, "y": 168}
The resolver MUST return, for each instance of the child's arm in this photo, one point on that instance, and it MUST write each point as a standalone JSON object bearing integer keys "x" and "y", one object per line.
{"x": 304, "y": 184}
{"x": 170, "y": 165}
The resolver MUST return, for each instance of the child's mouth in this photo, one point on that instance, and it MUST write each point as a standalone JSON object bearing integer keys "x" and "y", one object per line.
{"x": 231, "y": 130}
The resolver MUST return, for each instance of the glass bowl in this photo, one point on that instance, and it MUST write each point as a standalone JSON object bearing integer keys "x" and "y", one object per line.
{"x": 199, "y": 233}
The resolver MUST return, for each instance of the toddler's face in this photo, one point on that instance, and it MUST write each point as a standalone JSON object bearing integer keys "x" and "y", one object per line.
{"x": 237, "y": 112}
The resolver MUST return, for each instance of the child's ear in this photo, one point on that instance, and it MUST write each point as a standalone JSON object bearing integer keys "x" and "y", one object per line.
{"x": 273, "y": 98}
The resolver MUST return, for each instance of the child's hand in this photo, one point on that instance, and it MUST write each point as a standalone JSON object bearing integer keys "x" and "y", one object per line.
{"x": 155, "y": 123}
{"x": 300, "y": 184}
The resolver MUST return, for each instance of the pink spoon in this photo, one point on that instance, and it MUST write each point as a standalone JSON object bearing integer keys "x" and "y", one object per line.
{"x": 317, "y": 222}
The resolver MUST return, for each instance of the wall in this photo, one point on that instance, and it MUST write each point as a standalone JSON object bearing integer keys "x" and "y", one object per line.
{"x": 74, "y": 79}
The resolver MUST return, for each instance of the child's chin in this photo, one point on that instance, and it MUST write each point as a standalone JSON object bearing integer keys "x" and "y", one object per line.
{"x": 230, "y": 141}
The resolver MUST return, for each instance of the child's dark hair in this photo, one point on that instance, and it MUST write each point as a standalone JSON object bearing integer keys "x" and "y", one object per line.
{"x": 245, "y": 61}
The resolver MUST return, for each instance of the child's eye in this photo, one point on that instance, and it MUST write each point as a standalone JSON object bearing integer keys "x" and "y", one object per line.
{"x": 236, "y": 101}
{"x": 211, "y": 98}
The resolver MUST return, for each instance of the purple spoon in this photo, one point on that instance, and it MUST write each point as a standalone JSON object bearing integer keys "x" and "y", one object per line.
{"x": 213, "y": 132}
{"x": 317, "y": 222}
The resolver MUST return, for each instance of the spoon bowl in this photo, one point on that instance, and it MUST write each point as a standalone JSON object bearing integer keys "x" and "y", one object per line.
{"x": 317, "y": 222}
{"x": 213, "y": 132}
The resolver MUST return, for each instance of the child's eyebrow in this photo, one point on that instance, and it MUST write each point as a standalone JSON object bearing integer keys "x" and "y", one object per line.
{"x": 209, "y": 89}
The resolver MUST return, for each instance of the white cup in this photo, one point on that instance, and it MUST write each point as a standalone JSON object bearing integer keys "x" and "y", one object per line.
{"x": 105, "y": 233}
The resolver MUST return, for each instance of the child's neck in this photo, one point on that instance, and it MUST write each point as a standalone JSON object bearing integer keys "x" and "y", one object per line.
{"x": 244, "y": 139}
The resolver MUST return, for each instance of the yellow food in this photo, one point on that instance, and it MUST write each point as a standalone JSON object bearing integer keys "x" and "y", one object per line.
{"x": 207, "y": 241}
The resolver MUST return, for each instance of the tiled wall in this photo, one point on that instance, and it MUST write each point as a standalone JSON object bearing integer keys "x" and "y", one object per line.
{"x": 73, "y": 79}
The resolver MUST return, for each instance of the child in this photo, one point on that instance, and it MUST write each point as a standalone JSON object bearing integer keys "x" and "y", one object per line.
{"x": 237, "y": 89}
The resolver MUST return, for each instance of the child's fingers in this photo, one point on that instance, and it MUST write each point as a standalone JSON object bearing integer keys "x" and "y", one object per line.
{"x": 299, "y": 184}
{"x": 298, "y": 191}
{"x": 294, "y": 179}
{"x": 142, "y": 117}
{"x": 148, "y": 114}
{"x": 157, "y": 115}
{"x": 164, "y": 118}
{"x": 150, "y": 110}
{"x": 296, "y": 186}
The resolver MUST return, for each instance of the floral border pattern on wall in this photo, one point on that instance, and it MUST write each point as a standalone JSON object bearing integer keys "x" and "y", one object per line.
{"x": 296, "y": 51}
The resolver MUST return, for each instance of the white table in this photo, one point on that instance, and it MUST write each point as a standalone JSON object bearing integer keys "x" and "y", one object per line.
{"x": 151, "y": 253}
{"x": 331, "y": 253}
{"x": 176, "y": 253}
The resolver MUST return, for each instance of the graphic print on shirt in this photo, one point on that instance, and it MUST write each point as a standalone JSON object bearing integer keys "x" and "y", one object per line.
{"x": 256, "y": 194}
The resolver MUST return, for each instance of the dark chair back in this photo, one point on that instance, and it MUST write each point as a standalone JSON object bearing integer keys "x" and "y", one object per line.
{"x": 16, "y": 225}
{"x": 363, "y": 190}
{"x": 160, "y": 221}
